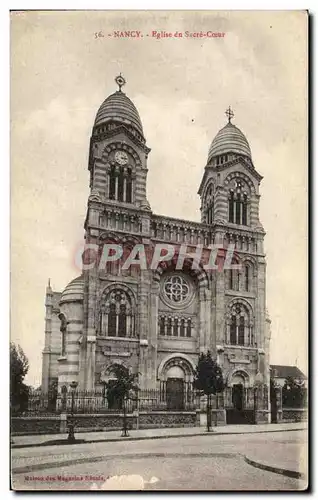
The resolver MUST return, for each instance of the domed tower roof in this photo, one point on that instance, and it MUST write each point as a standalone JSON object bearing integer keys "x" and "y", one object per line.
{"x": 74, "y": 291}
{"x": 118, "y": 108}
{"x": 230, "y": 139}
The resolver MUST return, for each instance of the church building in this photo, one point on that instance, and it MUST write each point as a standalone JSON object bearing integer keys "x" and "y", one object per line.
{"x": 158, "y": 321}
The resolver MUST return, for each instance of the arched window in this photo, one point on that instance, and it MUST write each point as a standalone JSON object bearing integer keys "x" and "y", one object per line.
{"x": 244, "y": 212}
{"x": 238, "y": 204}
{"x": 241, "y": 331}
{"x": 175, "y": 327}
{"x": 63, "y": 329}
{"x": 112, "y": 183}
{"x": 117, "y": 315}
{"x": 120, "y": 184}
{"x": 182, "y": 328}
{"x": 122, "y": 321}
{"x": 112, "y": 321}
{"x": 169, "y": 327}
{"x": 247, "y": 278}
{"x": 162, "y": 326}
{"x": 233, "y": 331}
{"x": 231, "y": 207}
{"x": 240, "y": 326}
{"x": 238, "y": 209}
{"x": 209, "y": 205}
{"x": 120, "y": 196}
{"x": 189, "y": 328}
{"x": 129, "y": 186}
{"x": 234, "y": 279}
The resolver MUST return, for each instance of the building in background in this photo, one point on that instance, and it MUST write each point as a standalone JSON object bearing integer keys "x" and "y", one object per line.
{"x": 158, "y": 321}
{"x": 280, "y": 373}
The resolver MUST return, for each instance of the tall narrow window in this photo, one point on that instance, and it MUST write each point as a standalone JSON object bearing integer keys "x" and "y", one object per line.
{"x": 233, "y": 330}
{"x": 238, "y": 209}
{"x": 234, "y": 279}
{"x": 169, "y": 326}
{"x": 182, "y": 328}
{"x": 244, "y": 214}
{"x": 128, "y": 187}
{"x": 63, "y": 329}
{"x": 112, "y": 320}
{"x": 231, "y": 207}
{"x": 120, "y": 196}
{"x": 162, "y": 326}
{"x": 231, "y": 280}
{"x": 247, "y": 278}
{"x": 189, "y": 328}
{"x": 112, "y": 182}
{"x": 175, "y": 327}
{"x": 241, "y": 331}
{"x": 122, "y": 321}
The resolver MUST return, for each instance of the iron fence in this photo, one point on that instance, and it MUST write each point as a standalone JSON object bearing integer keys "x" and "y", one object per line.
{"x": 144, "y": 400}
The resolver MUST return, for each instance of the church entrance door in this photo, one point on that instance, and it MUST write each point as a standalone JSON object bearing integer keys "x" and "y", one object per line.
{"x": 175, "y": 394}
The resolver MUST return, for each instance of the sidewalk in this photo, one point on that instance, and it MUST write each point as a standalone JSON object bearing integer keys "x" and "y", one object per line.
{"x": 135, "y": 435}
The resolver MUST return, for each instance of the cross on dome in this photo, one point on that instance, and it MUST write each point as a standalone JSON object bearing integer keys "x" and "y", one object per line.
{"x": 120, "y": 80}
{"x": 229, "y": 113}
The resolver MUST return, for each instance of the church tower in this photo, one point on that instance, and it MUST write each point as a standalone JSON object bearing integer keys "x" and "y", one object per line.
{"x": 229, "y": 194}
{"x": 118, "y": 213}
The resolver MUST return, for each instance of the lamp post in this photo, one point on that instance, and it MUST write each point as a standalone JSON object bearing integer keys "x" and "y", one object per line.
{"x": 257, "y": 383}
{"x": 71, "y": 425}
{"x": 124, "y": 432}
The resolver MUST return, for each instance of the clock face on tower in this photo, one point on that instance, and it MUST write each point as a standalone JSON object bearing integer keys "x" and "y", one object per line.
{"x": 121, "y": 157}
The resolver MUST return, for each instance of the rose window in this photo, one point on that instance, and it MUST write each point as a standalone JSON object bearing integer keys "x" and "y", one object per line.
{"x": 176, "y": 289}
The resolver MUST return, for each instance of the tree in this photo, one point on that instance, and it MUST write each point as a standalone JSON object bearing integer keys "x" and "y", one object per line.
{"x": 120, "y": 389}
{"x": 208, "y": 380}
{"x": 19, "y": 391}
{"x": 294, "y": 393}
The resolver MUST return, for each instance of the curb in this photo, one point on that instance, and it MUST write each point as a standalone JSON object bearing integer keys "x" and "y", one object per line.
{"x": 143, "y": 438}
{"x": 278, "y": 470}
{"x": 105, "y": 458}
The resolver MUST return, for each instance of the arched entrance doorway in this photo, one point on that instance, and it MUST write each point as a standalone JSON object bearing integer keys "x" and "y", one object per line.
{"x": 238, "y": 391}
{"x": 175, "y": 375}
{"x": 239, "y": 409}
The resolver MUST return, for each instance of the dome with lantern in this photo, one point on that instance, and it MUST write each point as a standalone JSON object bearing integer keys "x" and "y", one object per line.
{"x": 230, "y": 139}
{"x": 117, "y": 110}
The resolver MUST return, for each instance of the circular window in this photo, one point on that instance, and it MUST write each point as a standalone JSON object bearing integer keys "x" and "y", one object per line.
{"x": 176, "y": 291}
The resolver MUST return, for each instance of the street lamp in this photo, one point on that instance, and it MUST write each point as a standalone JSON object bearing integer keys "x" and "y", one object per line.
{"x": 71, "y": 425}
{"x": 258, "y": 381}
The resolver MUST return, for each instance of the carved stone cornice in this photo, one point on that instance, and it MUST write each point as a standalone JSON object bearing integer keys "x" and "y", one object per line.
{"x": 121, "y": 129}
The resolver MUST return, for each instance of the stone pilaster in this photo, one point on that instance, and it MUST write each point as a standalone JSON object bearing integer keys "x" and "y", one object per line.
{"x": 220, "y": 204}
{"x": 144, "y": 323}
{"x": 219, "y": 297}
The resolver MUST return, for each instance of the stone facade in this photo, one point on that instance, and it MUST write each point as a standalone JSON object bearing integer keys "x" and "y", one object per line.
{"x": 158, "y": 321}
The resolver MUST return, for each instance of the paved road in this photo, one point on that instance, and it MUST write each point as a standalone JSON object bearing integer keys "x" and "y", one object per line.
{"x": 197, "y": 463}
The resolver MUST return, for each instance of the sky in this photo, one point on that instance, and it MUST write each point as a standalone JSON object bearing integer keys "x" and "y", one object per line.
{"x": 61, "y": 73}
